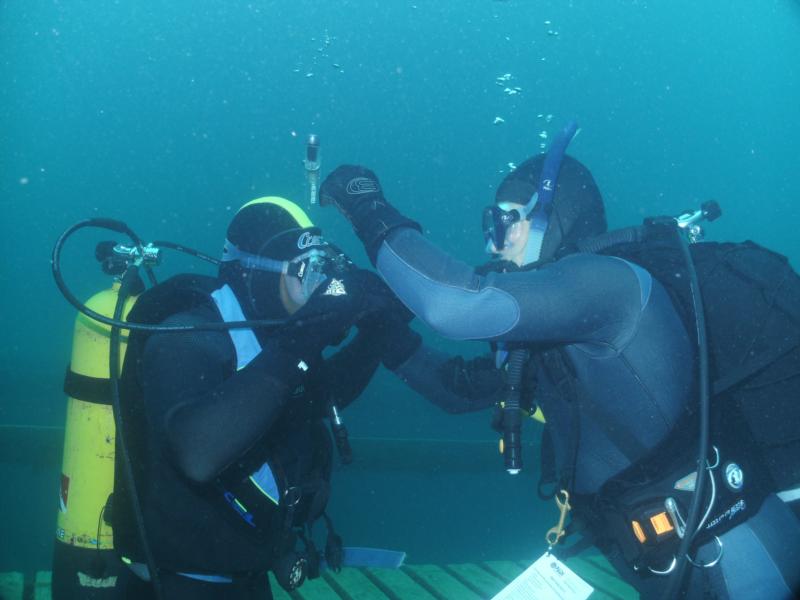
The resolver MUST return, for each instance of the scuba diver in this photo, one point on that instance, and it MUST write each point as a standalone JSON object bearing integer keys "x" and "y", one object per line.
{"x": 231, "y": 460}
{"x": 613, "y": 361}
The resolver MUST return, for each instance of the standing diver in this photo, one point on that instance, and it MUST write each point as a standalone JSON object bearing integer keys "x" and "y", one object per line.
{"x": 232, "y": 461}
{"x": 613, "y": 366}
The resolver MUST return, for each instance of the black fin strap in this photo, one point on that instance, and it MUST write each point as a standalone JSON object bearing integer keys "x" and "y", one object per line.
{"x": 312, "y": 554}
{"x": 334, "y": 548}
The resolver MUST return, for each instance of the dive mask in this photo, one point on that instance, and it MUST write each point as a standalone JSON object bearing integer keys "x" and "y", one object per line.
{"x": 498, "y": 220}
{"x": 316, "y": 266}
{"x": 496, "y": 223}
{"x": 311, "y": 268}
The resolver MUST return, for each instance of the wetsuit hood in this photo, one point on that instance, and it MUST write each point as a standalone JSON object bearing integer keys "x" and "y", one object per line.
{"x": 274, "y": 228}
{"x": 578, "y": 210}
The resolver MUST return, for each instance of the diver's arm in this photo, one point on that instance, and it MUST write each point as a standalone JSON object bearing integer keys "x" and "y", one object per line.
{"x": 383, "y": 337}
{"x": 581, "y": 298}
{"x": 453, "y": 384}
{"x": 206, "y": 421}
{"x": 346, "y": 374}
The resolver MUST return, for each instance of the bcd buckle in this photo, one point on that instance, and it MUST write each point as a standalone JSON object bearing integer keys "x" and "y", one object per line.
{"x": 653, "y": 525}
{"x": 657, "y": 527}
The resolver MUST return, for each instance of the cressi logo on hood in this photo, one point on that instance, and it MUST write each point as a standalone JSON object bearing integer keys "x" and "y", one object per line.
{"x": 307, "y": 239}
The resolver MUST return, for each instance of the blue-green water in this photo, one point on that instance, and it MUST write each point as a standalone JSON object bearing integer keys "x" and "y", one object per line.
{"x": 170, "y": 115}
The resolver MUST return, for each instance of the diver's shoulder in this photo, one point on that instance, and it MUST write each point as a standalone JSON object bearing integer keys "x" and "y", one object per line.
{"x": 588, "y": 260}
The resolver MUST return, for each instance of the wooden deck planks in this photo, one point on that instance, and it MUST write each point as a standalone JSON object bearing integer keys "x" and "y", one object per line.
{"x": 277, "y": 591}
{"x": 412, "y": 582}
{"x": 504, "y": 569}
{"x": 353, "y": 583}
{"x": 440, "y": 583}
{"x": 12, "y": 586}
{"x": 314, "y": 589}
{"x": 479, "y": 580}
{"x": 402, "y": 586}
{"x": 42, "y": 584}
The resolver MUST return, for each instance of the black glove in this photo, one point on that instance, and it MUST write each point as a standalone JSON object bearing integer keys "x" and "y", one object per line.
{"x": 326, "y": 317}
{"x": 357, "y": 193}
{"x": 399, "y": 342}
{"x": 378, "y": 302}
{"x": 324, "y": 320}
{"x": 385, "y": 320}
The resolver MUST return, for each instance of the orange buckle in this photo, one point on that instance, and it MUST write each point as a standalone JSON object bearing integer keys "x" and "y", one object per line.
{"x": 638, "y": 532}
{"x": 661, "y": 523}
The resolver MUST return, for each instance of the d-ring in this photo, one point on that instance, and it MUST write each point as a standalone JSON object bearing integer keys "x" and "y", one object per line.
{"x": 292, "y": 495}
{"x": 713, "y": 563}
{"x": 667, "y": 571}
{"x": 716, "y": 461}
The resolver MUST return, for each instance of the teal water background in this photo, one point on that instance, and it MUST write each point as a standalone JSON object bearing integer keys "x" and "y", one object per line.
{"x": 169, "y": 115}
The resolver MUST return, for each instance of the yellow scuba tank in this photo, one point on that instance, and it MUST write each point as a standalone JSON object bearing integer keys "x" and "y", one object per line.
{"x": 84, "y": 564}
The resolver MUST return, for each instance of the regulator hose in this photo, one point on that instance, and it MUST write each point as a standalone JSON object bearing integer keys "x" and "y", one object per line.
{"x": 120, "y": 227}
{"x": 676, "y": 578}
{"x": 130, "y": 280}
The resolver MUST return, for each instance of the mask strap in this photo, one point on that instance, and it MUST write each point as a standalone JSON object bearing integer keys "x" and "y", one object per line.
{"x": 231, "y": 253}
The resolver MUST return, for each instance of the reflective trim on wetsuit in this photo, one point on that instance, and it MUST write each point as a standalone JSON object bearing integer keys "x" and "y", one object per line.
{"x": 264, "y": 480}
{"x": 244, "y": 340}
{"x": 247, "y": 348}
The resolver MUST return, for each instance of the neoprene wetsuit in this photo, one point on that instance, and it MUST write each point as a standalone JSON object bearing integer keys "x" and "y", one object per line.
{"x": 615, "y": 323}
{"x": 196, "y": 416}
{"x": 633, "y": 360}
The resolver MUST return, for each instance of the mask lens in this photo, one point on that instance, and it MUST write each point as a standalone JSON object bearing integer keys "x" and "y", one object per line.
{"x": 311, "y": 271}
{"x": 493, "y": 229}
{"x": 496, "y": 223}
{"x": 316, "y": 266}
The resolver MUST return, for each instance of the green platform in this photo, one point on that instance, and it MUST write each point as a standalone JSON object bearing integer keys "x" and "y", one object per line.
{"x": 471, "y": 581}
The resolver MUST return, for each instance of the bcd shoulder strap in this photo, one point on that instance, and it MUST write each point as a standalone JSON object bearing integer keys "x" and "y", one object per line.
{"x": 177, "y": 294}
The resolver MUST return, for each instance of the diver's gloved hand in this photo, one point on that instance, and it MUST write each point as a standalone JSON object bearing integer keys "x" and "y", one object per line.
{"x": 295, "y": 349}
{"x": 386, "y": 320}
{"x": 379, "y": 302}
{"x": 357, "y": 193}
{"x": 326, "y": 317}
{"x": 399, "y": 342}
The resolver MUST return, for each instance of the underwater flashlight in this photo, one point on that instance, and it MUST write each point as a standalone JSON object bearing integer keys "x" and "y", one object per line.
{"x": 312, "y": 165}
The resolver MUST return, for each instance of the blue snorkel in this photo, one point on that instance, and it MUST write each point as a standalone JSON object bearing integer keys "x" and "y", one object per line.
{"x": 542, "y": 199}
{"x": 496, "y": 223}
